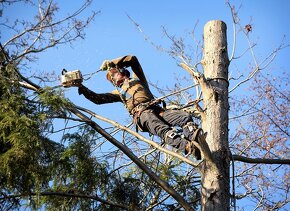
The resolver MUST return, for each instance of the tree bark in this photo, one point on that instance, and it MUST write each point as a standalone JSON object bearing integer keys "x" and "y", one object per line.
{"x": 215, "y": 173}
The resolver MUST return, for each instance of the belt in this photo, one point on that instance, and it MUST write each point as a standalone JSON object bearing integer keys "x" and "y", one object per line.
{"x": 137, "y": 110}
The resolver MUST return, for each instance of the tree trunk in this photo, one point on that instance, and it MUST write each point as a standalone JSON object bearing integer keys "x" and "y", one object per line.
{"x": 215, "y": 173}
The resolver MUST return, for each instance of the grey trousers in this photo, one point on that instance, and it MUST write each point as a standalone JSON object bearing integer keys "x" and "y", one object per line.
{"x": 151, "y": 121}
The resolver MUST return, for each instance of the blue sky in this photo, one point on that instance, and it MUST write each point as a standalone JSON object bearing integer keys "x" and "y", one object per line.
{"x": 112, "y": 34}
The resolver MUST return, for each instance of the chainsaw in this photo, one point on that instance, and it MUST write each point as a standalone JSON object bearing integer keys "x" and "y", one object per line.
{"x": 71, "y": 78}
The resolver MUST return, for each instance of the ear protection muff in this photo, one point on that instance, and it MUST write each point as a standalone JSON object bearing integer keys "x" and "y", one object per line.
{"x": 124, "y": 71}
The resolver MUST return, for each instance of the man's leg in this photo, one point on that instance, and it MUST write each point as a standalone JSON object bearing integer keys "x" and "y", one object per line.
{"x": 177, "y": 117}
{"x": 155, "y": 125}
{"x": 185, "y": 121}
{"x": 182, "y": 119}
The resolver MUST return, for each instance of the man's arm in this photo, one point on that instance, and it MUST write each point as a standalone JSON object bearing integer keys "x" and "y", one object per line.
{"x": 99, "y": 98}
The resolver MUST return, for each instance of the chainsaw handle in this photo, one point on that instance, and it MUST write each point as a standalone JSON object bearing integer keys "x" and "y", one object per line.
{"x": 63, "y": 71}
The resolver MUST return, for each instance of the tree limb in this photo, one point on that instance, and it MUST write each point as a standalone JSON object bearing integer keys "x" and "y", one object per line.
{"x": 260, "y": 160}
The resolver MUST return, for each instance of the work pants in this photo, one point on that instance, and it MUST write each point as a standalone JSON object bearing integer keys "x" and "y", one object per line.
{"x": 159, "y": 125}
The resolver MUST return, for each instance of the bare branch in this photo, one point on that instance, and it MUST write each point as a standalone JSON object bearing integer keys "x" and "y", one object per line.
{"x": 259, "y": 66}
{"x": 260, "y": 160}
{"x": 47, "y": 33}
{"x": 235, "y": 20}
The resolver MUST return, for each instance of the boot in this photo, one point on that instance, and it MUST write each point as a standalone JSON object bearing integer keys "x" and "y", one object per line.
{"x": 189, "y": 129}
{"x": 174, "y": 139}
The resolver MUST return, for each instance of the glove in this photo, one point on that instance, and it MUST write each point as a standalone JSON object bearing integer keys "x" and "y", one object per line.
{"x": 107, "y": 64}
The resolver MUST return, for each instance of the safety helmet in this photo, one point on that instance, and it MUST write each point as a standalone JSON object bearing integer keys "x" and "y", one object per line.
{"x": 114, "y": 70}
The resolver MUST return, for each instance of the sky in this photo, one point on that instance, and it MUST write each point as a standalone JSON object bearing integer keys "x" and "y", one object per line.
{"x": 112, "y": 34}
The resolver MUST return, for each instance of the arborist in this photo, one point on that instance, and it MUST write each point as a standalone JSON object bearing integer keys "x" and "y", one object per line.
{"x": 148, "y": 115}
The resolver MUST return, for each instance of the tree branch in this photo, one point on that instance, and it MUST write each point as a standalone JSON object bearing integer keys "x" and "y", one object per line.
{"x": 260, "y": 160}
{"x": 259, "y": 67}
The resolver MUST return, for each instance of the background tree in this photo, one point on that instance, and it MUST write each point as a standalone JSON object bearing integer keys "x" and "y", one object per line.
{"x": 79, "y": 169}
{"x": 263, "y": 132}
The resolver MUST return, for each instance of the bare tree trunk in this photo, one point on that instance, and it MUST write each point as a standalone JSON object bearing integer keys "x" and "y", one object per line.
{"x": 215, "y": 172}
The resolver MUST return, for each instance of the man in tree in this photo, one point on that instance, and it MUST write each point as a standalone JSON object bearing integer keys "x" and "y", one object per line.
{"x": 147, "y": 114}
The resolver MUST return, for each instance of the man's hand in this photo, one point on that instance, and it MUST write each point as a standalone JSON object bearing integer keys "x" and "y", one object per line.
{"x": 107, "y": 64}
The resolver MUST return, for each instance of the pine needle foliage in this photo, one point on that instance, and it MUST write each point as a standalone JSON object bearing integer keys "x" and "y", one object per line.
{"x": 25, "y": 154}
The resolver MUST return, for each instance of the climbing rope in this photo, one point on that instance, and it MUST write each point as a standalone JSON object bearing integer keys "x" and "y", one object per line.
{"x": 90, "y": 75}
